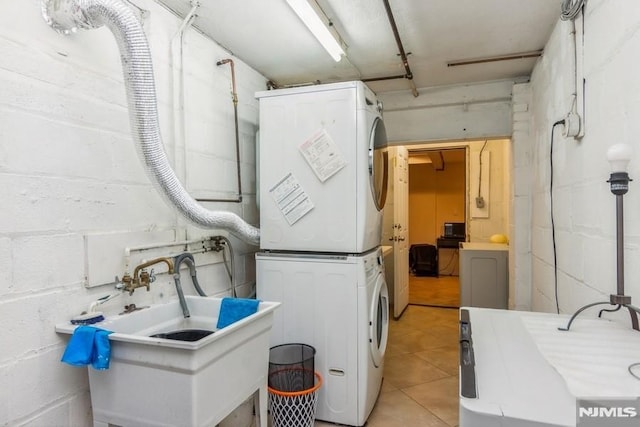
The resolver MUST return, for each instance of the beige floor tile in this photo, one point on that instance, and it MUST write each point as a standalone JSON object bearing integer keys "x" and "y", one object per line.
{"x": 439, "y": 291}
{"x": 446, "y": 337}
{"x": 444, "y": 358}
{"x": 394, "y": 350}
{"x": 418, "y": 317}
{"x": 420, "y": 341}
{"x": 440, "y": 397}
{"x": 398, "y": 328}
{"x": 387, "y": 386}
{"x": 408, "y": 370}
{"x": 396, "y": 409}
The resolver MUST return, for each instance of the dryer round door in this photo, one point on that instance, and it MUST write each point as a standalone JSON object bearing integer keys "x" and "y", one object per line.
{"x": 378, "y": 163}
{"x": 379, "y": 320}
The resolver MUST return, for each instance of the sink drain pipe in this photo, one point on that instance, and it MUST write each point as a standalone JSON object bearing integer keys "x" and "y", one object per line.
{"x": 66, "y": 16}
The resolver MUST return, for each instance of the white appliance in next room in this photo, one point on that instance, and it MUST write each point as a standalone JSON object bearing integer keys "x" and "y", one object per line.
{"x": 339, "y": 305}
{"x": 322, "y": 168}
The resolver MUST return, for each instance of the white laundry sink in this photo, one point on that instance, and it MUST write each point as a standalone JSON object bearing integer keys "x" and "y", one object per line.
{"x": 166, "y": 382}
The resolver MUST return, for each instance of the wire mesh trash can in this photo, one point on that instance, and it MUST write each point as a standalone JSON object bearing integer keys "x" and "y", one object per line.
{"x": 294, "y": 408}
{"x": 293, "y": 385}
{"x": 291, "y": 367}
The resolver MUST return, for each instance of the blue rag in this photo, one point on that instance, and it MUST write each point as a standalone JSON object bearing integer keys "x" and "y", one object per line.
{"x": 88, "y": 345}
{"x": 234, "y": 309}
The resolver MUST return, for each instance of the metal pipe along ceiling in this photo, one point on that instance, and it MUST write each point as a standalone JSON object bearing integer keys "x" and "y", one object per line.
{"x": 405, "y": 61}
{"x": 67, "y": 15}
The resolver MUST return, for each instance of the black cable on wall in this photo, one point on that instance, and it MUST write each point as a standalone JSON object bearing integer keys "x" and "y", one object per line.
{"x": 553, "y": 226}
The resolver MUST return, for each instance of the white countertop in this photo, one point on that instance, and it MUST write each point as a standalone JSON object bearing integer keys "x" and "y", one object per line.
{"x": 484, "y": 246}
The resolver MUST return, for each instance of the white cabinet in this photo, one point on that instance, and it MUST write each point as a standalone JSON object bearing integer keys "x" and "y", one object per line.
{"x": 484, "y": 275}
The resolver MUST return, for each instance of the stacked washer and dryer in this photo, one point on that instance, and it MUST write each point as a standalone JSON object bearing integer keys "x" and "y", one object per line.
{"x": 322, "y": 183}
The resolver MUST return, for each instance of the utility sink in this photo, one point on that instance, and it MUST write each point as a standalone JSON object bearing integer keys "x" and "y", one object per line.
{"x": 170, "y": 381}
{"x": 184, "y": 334}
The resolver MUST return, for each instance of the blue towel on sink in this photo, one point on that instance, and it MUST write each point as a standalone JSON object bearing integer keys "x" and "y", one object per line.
{"x": 88, "y": 345}
{"x": 234, "y": 309}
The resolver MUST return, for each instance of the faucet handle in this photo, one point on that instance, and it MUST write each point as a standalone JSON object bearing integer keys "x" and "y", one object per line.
{"x": 145, "y": 278}
{"x": 152, "y": 276}
{"x": 127, "y": 281}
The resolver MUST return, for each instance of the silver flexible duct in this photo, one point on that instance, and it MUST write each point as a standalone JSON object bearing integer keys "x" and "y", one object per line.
{"x": 66, "y": 16}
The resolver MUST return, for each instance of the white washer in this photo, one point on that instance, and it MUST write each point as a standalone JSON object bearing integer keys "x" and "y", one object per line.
{"x": 322, "y": 168}
{"x": 339, "y": 305}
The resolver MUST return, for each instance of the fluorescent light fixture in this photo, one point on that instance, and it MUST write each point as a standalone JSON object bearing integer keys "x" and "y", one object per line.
{"x": 318, "y": 27}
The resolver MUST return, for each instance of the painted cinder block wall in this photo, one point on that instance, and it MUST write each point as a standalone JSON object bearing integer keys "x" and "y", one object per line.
{"x": 68, "y": 169}
{"x": 583, "y": 204}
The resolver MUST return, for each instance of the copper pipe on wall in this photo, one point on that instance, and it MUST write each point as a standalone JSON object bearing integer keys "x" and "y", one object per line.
{"x": 234, "y": 98}
{"x": 405, "y": 61}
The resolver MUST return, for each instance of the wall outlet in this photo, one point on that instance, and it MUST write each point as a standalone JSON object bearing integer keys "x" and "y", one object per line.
{"x": 571, "y": 125}
{"x": 479, "y": 202}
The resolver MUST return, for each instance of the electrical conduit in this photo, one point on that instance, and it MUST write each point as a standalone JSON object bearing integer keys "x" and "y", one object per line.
{"x": 66, "y": 16}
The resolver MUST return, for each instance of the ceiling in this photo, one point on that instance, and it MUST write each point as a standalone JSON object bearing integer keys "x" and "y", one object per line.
{"x": 269, "y": 37}
{"x": 438, "y": 158}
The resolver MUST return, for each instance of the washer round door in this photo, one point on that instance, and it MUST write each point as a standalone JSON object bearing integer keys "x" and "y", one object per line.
{"x": 379, "y": 320}
{"x": 378, "y": 163}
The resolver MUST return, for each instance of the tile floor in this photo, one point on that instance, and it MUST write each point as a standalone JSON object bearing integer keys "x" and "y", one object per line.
{"x": 420, "y": 386}
{"x": 443, "y": 291}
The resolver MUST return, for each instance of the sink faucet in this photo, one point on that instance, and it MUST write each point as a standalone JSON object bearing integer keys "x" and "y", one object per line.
{"x": 141, "y": 277}
{"x": 188, "y": 258}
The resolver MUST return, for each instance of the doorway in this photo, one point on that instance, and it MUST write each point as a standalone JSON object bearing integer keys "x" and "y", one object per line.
{"x": 437, "y": 196}
{"x": 483, "y": 171}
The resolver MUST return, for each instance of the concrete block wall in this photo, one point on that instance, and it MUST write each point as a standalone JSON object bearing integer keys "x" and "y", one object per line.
{"x": 456, "y": 112}
{"x": 583, "y": 204}
{"x": 520, "y": 215}
{"x": 68, "y": 169}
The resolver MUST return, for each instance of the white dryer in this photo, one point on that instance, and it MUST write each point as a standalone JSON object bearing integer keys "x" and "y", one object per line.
{"x": 322, "y": 168}
{"x": 339, "y": 305}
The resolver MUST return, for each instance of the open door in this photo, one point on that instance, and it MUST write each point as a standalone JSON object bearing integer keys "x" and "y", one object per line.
{"x": 400, "y": 226}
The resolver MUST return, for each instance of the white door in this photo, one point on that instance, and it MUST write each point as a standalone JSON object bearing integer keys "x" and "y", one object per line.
{"x": 400, "y": 230}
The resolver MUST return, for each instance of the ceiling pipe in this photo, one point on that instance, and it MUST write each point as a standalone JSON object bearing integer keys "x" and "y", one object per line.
{"x": 510, "y": 57}
{"x": 405, "y": 61}
{"x": 379, "y": 79}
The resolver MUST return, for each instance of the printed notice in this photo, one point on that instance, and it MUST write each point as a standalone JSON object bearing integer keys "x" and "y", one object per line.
{"x": 291, "y": 199}
{"x": 322, "y": 154}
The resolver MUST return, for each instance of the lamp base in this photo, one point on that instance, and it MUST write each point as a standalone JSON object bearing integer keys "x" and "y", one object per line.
{"x": 619, "y": 299}
{"x": 633, "y": 310}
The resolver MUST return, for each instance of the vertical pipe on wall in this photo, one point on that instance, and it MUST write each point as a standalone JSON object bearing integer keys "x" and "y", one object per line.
{"x": 177, "y": 68}
{"x": 234, "y": 99}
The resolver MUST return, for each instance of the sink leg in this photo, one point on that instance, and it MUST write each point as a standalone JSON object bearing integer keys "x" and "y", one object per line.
{"x": 260, "y": 405}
